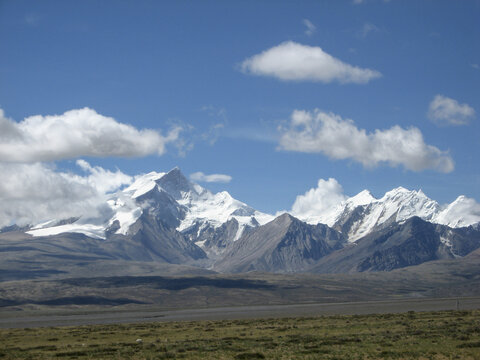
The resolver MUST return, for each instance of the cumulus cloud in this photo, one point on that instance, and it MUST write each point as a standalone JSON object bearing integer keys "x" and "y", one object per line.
{"x": 8, "y": 128}
{"x": 463, "y": 211}
{"x": 291, "y": 61}
{"x": 446, "y": 111}
{"x": 310, "y": 28}
{"x": 76, "y": 133}
{"x": 38, "y": 192}
{"x": 104, "y": 181}
{"x": 329, "y": 134}
{"x": 220, "y": 178}
{"x": 318, "y": 201}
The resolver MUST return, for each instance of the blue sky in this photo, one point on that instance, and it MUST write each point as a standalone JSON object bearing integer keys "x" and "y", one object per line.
{"x": 191, "y": 66}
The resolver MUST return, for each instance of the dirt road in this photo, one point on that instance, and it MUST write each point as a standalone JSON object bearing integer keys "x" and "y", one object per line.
{"x": 30, "y": 319}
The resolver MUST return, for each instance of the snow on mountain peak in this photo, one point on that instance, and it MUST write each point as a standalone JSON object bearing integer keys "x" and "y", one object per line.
{"x": 407, "y": 203}
{"x": 397, "y": 193}
{"x": 362, "y": 198}
{"x": 398, "y": 205}
{"x": 463, "y": 211}
{"x": 197, "y": 204}
{"x": 361, "y": 213}
{"x": 194, "y": 206}
{"x": 143, "y": 184}
{"x": 398, "y": 189}
{"x": 217, "y": 209}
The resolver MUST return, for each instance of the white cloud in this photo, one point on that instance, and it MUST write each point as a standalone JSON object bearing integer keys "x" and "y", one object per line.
{"x": 81, "y": 132}
{"x": 8, "y": 128}
{"x": 200, "y": 176}
{"x": 33, "y": 193}
{"x": 291, "y": 61}
{"x": 446, "y": 111}
{"x": 318, "y": 201}
{"x": 327, "y": 133}
{"x": 214, "y": 111}
{"x": 104, "y": 181}
{"x": 212, "y": 133}
{"x": 310, "y": 27}
{"x": 463, "y": 211}
{"x": 366, "y": 29}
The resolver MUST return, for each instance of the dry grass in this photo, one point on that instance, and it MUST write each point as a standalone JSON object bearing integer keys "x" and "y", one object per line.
{"x": 429, "y": 335}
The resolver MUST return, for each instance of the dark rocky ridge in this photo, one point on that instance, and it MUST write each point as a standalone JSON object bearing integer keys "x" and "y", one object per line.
{"x": 286, "y": 244}
{"x": 401, "y": 245}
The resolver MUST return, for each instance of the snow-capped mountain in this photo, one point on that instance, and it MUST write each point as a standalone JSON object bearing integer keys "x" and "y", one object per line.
{"x": 333, "y": 214}
{"x": 179, "y": 203}
{"x": 290, "y": 245}
{"x": 462, "y": 212}
{"x": 212, "y": 220}
{"x": 359, "y": 215}
{"x": 165, "y": 218}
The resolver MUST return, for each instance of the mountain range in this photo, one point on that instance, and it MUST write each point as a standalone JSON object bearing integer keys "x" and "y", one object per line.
{"x": 164, "y": 218}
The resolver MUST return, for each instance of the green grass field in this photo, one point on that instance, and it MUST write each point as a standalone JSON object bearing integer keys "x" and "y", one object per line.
{"x": 429, "y": 335}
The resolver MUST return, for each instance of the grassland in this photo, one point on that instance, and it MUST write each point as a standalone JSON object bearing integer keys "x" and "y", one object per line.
{"x": 425, "y": 335}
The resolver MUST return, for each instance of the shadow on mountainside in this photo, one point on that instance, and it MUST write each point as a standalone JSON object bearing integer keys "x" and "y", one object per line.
{"x": 159, "y": 282}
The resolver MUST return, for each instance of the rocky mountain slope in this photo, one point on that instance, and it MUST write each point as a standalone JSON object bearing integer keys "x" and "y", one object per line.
{"x": 164, "y": 218}
{"x": 400, "y": 245}
{"x": 285, "y": 244}
{"x": 166, "y": 205}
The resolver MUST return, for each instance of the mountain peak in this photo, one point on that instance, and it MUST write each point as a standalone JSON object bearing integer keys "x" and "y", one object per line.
{"x": 462, "y": 212}
{"x": 175, "y": 172}
{"x": 401, "y": 194}
{"x": 396, "y": 191}
{"x": 143, "y": 184}
{"x": 285, "y": 219}
{"x": 174, "y": 182}
{"x": 460, "y": 198}
{"x": 364, "y": 197}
